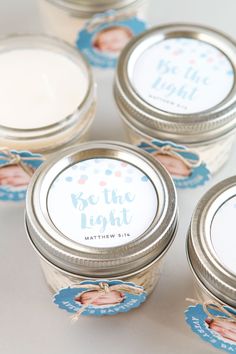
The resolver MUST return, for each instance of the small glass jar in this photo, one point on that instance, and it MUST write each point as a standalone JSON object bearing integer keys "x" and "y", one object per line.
{"x": 101, "y": 216}
{"x": 47, "y": 98}
{"x": 211, "y": 248}
{"x": 74, "y": 14}
{"x": 176, "y": 93}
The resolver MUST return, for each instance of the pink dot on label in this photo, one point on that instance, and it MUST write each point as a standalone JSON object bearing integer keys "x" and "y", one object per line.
{"x": 118, "y": 174}
{"x": 177, "y": 52}
{"x": 192, "y": 61}
{"x": 210, "y": 60}
{"x": 81, "y": 181}
{"x": 124, "y": 164}
{"x": 102, "y": 183}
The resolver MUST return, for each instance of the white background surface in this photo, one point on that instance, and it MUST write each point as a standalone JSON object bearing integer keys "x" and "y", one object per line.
{"x": 29, "y": 322}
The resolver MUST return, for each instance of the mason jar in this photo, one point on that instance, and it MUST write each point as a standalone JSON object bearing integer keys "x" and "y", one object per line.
{"x": 47, "y": 95}
{"x": 176, "y": 94}
{"x": 211, "y": 253}
{"x": 101, "y": 217}
{"x": 74, "y": 14}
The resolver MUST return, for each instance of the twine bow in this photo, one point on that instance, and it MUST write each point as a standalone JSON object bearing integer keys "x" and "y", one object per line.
{"x": 15, "y": 159}
{"x": 175, "y": 152}
{"x": 110, "y": 16}
{"x": 103, "y": 288}
{"x": 207, "y": 305}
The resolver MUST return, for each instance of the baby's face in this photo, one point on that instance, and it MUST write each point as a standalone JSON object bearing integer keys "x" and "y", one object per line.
{"x": 173, "y": 165}
{"x": 224, "y": 328}
{"x": 113, "y": 41}
{"x": 111, "y": 298}
{"x": 13, "y": 176}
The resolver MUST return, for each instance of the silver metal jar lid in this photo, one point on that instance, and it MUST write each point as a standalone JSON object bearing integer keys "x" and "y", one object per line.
{"x": 74, "y": 122}
{"x": 85, "y": 8}
{"x": 113, "y": 242}
{"x": 178, "y": 82}
{"x": 211, "y": 241}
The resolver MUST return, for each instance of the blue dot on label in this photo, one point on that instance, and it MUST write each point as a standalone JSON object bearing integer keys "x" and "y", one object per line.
{"x": 69, "y": 179}
{"x": 128, "y": 179}
{"x": 144, "y": 178}
{"x": 83, "y": 167}
{"x": 85, "y": 177}
{"x": 230, "y": 72}
{"x": 108, "y": 172}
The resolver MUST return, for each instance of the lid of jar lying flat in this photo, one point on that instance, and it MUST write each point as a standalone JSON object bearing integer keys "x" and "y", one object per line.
{"x": 178, "y": 80}
{"x": 211, "y": 242}
{"x": 87, "y": 8}
{"x": 46, "y": 86}
{"x": 101, "y": 208}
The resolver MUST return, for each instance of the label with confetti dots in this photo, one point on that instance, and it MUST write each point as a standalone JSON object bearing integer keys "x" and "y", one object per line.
{"x": 184, "y": 76}
{"x": 102, "y": 202}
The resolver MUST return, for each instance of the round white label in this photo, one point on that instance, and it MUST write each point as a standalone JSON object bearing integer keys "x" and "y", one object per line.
{"x": 223, "y": 234}
{"x": 102, "y": 202}
{"x": 182, "y": 75}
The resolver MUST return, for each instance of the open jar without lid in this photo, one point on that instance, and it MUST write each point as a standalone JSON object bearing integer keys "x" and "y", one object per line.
{"x": 100, "y": 29}
{"x": 211, "y": 247}
{"x": 101, "y": 213}
{"x": 47, "y": 98}
{"x": 175, "y": 90}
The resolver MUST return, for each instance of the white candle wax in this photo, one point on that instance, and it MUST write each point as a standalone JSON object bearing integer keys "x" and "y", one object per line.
{"x": 38, "y": 88}
{"x": 47, "y": 103}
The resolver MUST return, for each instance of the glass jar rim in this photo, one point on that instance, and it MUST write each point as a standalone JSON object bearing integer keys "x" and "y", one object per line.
{"x": 73, "y": 256}
{"x": 213, "y": 122}
{"x": 46, "y": 42}
{"x": 87, "y": 9}
{"x": 204, "y": 262}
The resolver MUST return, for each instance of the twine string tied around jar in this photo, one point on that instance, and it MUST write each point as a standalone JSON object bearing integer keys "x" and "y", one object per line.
{"x": 15, "y": 159}
{"x": 207, "y": 305}
{"x": 176, "y": 152}
{"x": 104, "y": 288}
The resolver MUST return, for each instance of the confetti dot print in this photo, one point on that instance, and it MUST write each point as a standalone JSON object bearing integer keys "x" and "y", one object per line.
{"x": 101, "y": 202}
{"x": 184, "y": 76}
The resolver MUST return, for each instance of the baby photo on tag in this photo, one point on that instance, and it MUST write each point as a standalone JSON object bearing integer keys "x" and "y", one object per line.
{"x": 101, "y": 297}
{"x": 215, "y": 324}
{"x": 183, "y": 164}
{"x": 105, "y": 35}
{"x": 16, "y": 170}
